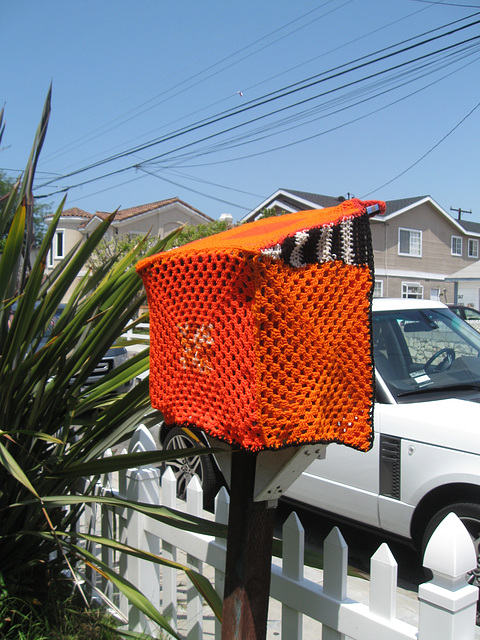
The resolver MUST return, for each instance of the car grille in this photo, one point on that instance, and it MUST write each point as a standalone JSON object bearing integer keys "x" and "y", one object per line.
{"x": 103, "y": 367}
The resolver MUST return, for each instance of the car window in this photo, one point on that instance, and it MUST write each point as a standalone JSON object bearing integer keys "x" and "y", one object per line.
{"x": 471, "y": 314}
{"x": 425, "y": 350}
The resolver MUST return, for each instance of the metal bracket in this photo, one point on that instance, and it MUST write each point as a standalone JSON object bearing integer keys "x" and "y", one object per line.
{"x": 275, "y": 471}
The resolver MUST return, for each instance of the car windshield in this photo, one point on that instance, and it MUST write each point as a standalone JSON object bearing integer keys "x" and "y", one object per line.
{"x": 423, "y": 351}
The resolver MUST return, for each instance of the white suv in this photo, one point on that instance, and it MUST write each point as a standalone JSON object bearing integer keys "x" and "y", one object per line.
{"x": 425, "y": 461}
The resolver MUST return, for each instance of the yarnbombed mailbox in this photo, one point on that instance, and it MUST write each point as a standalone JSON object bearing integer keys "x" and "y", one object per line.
{"x": 261, "y": 335}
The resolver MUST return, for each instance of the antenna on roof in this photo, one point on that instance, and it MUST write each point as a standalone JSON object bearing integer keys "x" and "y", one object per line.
{"x": 460, "y": 211}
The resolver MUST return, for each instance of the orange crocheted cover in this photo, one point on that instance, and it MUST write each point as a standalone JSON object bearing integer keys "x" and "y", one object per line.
{"x": 261, "y": 335}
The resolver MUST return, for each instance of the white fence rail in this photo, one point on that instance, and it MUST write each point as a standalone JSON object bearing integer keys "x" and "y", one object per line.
{"x": 141, "y": 332}
{"x": 446, "y": 604}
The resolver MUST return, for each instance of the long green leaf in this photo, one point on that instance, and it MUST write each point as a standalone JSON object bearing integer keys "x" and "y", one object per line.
{"x": 48, "y": 419}
{"x": 8, "y": 207}
{"x": 202, "y": 584}
{"x": 34, "y": 434}
{"x": 11, "y": 466}
{"x": 172, "y": 517}
{"x": 120, "y": 376}
{"x": 11, "y": 253}
{"x": 131, "y": 460}
{"x": 135, "y": 597}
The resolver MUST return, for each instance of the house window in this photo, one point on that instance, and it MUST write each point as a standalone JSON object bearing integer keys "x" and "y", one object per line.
{"x": 378, "y": 289}
{"x": 59, "y": 244}
{"x": 472, "y": 248}
{"x": 456, "y": 246}
{"x": 412, "y": 290}
{"x": 410, "y": 242}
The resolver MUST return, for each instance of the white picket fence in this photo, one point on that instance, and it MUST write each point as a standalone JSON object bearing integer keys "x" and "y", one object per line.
{"x": 142, "y": 332}
{"x": 446, "y": 604}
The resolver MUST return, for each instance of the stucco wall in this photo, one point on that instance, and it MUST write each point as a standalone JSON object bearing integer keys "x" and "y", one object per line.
{"x": 437, "y": 232}
{"x": 436, "y": 261}
{"x": 160, "y": 223}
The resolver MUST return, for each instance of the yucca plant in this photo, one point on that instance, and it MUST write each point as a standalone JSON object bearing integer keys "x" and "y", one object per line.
{"x": 53, "y": 428}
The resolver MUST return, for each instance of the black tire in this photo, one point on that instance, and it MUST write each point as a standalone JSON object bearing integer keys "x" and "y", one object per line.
{"x": 469, "y": 514}
{"x": 185, "y": 467}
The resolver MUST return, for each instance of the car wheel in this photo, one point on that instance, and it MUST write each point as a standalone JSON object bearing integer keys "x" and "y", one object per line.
{"x": 469, "y": 514}
{"x": 185, "y": 467}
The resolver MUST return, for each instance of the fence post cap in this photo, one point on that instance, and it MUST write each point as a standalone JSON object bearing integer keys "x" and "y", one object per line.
{"x": 450, "y": 553}
{"x": 141, "y": 440}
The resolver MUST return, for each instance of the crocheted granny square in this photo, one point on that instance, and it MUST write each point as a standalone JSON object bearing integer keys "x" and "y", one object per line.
{"x": 261, "y": 335}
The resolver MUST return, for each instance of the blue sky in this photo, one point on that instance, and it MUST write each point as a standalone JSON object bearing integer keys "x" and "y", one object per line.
{"x": 221, "y": 103}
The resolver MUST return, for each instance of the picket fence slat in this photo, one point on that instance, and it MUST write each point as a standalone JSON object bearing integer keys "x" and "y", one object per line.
{"x": 293, "y": 555}
{"x": 447, "y": 604}
{"x": 221, "y": 516}
{"x": 169, "y": 552}
{"x": 383, "y": 583}
{"x": 194, "y": 600}
{"x": 335, "y": 576}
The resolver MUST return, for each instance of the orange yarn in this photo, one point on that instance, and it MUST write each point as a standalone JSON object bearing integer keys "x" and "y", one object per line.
{"x": 261, "y": 335}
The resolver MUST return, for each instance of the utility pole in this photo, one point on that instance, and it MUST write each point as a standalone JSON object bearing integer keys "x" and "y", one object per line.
{"x": 460, "y": 211}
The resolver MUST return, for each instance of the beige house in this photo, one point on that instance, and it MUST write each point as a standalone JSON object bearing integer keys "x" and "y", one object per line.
{"x": 160, "y": 218}
{"x": 417, "y": 246}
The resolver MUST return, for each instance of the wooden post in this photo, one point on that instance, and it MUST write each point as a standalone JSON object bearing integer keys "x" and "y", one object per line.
{"x": 249, "y": 555}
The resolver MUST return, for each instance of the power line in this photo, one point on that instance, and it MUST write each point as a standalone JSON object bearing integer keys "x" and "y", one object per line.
{"x": 284, "y": 146}
{"x": 290, "y": 144}
{"x": 325, "y": 131}
{"x": 273, "y": 96}
{"x": 198, "y": 76}
{"x": 282, "y": 109}
{"x": 414, "y": 164}
{"x": 237, "y": 142}
{"x": 350, "y": 42}
{"x": 162, "y": 177}
{"x": 448, "y": 4}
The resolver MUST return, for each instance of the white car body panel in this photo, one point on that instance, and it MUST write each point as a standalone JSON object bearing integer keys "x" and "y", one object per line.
{"x": 450, "y": 423}
{"x": 438, "y": 444}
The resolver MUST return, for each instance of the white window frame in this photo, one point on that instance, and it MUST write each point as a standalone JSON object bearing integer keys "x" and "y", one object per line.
{"x": 473, "y": 242}
{"x": 378, "y": 289}
{"x": 456, "y": 250}
{"x": 412, "y": 244}
{"x": 435, "y": 293}
{"x": 408, "y": 287}
{"x": 59, "y": 233}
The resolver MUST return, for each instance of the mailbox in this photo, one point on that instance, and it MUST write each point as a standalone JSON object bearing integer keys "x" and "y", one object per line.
{"x": 261, "y": 335}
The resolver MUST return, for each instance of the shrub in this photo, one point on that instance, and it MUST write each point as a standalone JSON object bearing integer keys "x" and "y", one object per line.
{"x": 54, "y": 427}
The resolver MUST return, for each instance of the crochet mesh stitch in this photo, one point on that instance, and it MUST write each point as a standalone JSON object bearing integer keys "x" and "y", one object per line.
{"x": 261, "y": 335}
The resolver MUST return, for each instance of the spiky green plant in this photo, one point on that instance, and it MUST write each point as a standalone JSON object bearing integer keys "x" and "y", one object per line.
{"x": 53, "y": 428}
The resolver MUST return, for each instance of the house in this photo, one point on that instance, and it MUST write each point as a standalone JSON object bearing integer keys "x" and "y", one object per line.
{"x": 417, "y": 246}
{"x": 160, "y": 218}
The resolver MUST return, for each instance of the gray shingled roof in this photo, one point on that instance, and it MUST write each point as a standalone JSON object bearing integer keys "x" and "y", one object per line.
{"x": 396, "y": 205}
{"x": 473, "y": 227}
{"x": 330, "y": 201}
{"x": 316, "y": 198}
